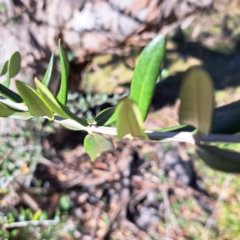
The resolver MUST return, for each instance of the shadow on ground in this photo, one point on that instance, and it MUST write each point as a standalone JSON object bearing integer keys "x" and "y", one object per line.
{"x": 223, "y": 68}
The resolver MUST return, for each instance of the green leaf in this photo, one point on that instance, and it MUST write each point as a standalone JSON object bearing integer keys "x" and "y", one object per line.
{"x": 197, "y": 100}
{"x": 129, "y": 119}
{"x": 3, "y": 68}
{"x": 180, "y": 128}
{"x": 219, "y": 159}
{"x": 106, "y": 116}
{"x": 14, "y": 66}
{"x": 35, "y": 104}
{"x": 65, "y": 203}
{"x": 36, "y": 215}
{"x": 20, "y": 107}
{"x": 226, "y": 119}
{"x": 62, "y": 95}
{"x": 48, "y": 74}
{"x": 22, "y": 115}
{"x": 5, "y": 111}
{"x": 95, "y": 144}
{"x": 146, "y": 73}
{"x": 9, "y": 94}
{"x": 55, "y": 105}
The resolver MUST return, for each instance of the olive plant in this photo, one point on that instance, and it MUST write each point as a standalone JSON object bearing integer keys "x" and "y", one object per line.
{"x": 200, "y": 123}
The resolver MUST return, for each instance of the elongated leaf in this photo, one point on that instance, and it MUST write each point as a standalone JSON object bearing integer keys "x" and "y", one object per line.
{"x": 129, "y": 119}
{"x": 55, "y": 105}
{"x": 35, "y": 104}
{"x": 180, "y": 128}
{"x": 226, "y": 119}
{"x": 62, "y": 95}
{"x": 14, "y": 66}
{"x": 219, "y": 159}
{"x": 106, "y": 116}
{"x": 48, "y": 74}
{"x": 146, "y": 74}
{"x": 95, "y": 144}
{"x": 9, "y": 94}
{"x": 22, "y": 115}
{"x": 20, "y": 107}
{"x": 5, "y": 111}
{"x": 69, "y": 123}
{"x": 3, "y": 68}
{"x": 197, "y": 100}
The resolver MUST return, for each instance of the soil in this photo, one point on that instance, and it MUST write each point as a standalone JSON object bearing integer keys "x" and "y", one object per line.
{"x": 127, "y": 194}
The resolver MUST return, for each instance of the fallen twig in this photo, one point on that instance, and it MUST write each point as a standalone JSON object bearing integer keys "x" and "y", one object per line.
{"x": 209, "y": 222}
{"x": 30, "y": 223}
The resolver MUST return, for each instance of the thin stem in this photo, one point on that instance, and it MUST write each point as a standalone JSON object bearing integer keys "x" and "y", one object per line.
{"x": 30, "y": 223}
{"x": 189, "y": 137}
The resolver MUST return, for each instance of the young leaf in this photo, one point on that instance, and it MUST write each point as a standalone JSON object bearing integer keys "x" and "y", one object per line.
{"x": 56, "y": 106}
{"x": 62, "y": 95}
{"x": 35, "y": 104}
{"x": 95, "y": 144}
{"x": 219, "y": 159}
{"x": 146, "y": 74}
{"x": 5, "y": 111}
{"x": 129, "y": 119}
{"x": 197, "y": 100}
{"x": 14, "y": 66}
{"x": 48, "y": 74}
{"x": 3, "y": 68}
{"x": 106, "y": 116}
{"x": 9, "y": 94}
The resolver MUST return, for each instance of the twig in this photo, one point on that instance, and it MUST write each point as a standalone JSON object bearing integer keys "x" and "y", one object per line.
{"x": 9, "y": 180}
{"x": 209, "y": 222}
{"x": 188, "y": 137}
{"x": 32, "y": 167}
{"x": 170, "y": 213}
{"x": 166, "y": 212}
{"x": 30, "y": 223}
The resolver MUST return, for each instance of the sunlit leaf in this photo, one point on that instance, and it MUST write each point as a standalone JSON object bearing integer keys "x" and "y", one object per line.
{"x": 197, "y": 100}
{"x": 5, "y": 111}
{"x": 35, "y": 104}
{"x": 106, "y": 117}
{"x": 53, "y": 104}
{"x": 3, "y": 68}
{"x": 22, "y": 115}
{"x": 96, "y": 144}
{"x": 14, "y": 66}
{"x": 129, "y": 120}
{"x": 62, "y": 95}
{"x": 37, "y": 215}
{"x": 219, "y": 159}
{"x": 48, "y": 74}
{"x": 9, "y": 94}
{"x": 20, "y": 107}
{"x": 146, "y": 73}
{"x": 69, "y": 123}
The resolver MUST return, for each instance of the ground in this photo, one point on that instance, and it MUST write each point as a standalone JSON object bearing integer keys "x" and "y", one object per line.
{"x": 143, "y": 190}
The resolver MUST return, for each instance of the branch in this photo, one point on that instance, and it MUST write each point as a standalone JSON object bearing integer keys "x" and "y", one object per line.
{"x": 188, "y": 137}
{"x": 30, "y": 223}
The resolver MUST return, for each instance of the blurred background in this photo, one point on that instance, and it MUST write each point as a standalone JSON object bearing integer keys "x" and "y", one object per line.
{"x": 50, "y": 189}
